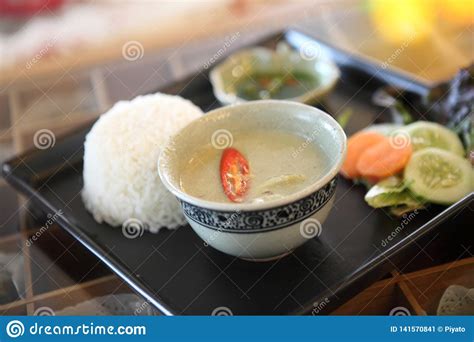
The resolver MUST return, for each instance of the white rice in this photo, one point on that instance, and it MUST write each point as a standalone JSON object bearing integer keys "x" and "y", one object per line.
{"x": 121, "y": 182}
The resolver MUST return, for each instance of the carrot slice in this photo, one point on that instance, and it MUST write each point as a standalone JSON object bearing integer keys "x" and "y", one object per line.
{"x": 356, "y": 145}
{"x": 383, "y": 159}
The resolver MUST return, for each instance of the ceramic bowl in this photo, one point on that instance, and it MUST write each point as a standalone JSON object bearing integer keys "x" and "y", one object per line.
{"x": 257, "y": 231}
{"x": 225, "y": 75}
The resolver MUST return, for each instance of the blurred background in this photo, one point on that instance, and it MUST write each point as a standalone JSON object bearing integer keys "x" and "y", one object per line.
{"x": 64, "y": 62}
{"x": 47, "y": 36}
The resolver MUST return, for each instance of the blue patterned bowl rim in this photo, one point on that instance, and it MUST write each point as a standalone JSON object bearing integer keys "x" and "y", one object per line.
{"x": 260, "y": 220}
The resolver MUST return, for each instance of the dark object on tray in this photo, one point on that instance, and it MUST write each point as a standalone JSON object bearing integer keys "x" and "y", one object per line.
{"x": 178, "y": 274}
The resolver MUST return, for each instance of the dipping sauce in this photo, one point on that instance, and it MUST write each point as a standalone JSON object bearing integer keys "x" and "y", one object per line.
{"x": 275, "y": 85}
{"x": 279, "y": 164}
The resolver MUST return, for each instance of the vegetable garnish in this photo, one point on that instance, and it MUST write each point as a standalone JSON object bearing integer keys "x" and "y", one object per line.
{"x": 356, "y": 145}
{"x": 427, "y": 167}
{"x": 392, "y": 191}
{"x": 383, "y": 159}
{"x": 436, "y": 171}
{"x": 235, "y": 174}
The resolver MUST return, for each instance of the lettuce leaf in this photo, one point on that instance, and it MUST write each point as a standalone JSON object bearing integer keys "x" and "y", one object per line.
{"x": 392, "y": 191}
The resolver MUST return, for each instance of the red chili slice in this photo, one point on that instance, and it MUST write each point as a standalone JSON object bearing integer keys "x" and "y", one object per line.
{"x": 235, "y": 174}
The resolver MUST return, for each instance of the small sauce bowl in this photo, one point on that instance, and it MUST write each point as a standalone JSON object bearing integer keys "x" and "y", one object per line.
{"x": 226, "y": 78}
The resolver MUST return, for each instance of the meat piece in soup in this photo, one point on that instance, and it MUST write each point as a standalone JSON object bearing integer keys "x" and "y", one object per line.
{"x": 267, "y": 165}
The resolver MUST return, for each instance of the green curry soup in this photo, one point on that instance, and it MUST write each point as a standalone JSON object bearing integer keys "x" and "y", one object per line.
{"x": 275, "y": 85}
{"x": 279, "y": 164}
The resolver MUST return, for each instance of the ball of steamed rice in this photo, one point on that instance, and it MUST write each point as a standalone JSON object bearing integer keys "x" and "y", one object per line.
{"x": 121, "y": 182}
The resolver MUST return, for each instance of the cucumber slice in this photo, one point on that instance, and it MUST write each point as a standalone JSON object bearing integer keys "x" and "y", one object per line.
{"x": 425, "y": 134}
{"x": 439, "y": 176}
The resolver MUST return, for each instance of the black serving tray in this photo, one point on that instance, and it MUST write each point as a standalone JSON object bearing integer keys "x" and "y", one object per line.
{"x": 178, "y": 274}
